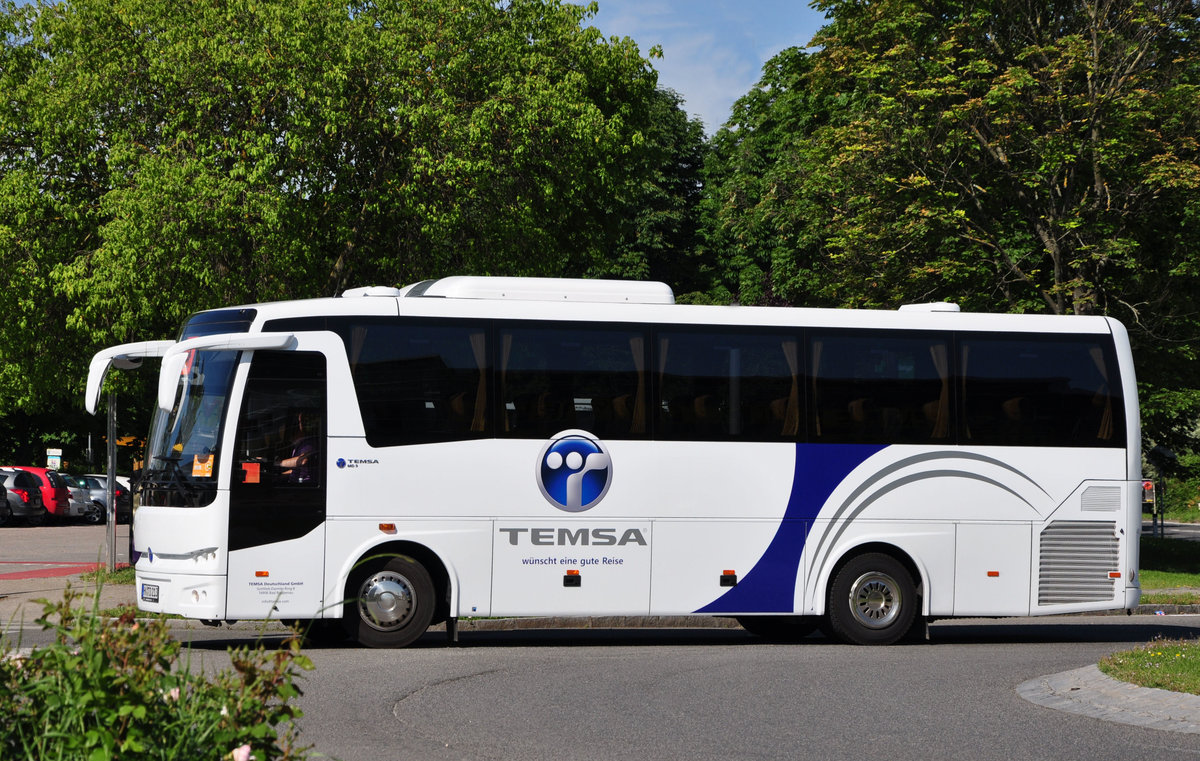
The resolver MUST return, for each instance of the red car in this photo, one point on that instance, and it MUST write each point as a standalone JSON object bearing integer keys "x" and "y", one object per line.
{"x": 55, "y": 495}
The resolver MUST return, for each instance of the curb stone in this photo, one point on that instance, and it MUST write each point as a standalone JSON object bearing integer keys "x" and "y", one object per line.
{"x": 1090, "y": 692}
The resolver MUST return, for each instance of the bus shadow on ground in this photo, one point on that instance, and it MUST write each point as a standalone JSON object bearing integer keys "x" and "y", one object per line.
{"x": 1068, "y": 629}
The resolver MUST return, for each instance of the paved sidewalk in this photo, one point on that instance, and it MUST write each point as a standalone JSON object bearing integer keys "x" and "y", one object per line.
{"x": 19, "y": 594}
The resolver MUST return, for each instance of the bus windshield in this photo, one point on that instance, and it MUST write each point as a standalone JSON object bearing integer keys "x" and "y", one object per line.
{"x": 181, "y": 462}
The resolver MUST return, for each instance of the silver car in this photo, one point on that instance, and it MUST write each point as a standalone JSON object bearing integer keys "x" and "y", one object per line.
{"x": 97, "y": 486}
{"x": 23, "y": 498}
{"x": 81, "y": 501}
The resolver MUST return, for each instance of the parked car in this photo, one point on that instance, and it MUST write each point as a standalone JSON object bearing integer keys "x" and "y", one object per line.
{"x": 81, "y": 499}
{"x": 97, "y": 485}
{"x": 23, "y": 496}
{"x": 55, "y": 495}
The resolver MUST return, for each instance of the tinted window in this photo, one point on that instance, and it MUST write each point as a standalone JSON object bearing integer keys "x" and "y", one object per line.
{"x": 881, "y": 388}
{"x": 218, "y": 321}
{"x": 282, "y": 420}
{"x": 420, "y": 381}
{"x": 277, "y": 487}
{"x": 728, "y": 385}
{"x": 556, "y": 378}
{"x": 1040, "y": 391}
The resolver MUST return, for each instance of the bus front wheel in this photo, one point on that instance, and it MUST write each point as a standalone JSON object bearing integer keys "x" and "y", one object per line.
{"x": 391, "y": 603}
{"x": 872, "y": 601}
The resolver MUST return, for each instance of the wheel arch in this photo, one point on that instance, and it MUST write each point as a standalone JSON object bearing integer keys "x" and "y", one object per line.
{"x": 829, "y": 572}
{"x": 440, "y": 571}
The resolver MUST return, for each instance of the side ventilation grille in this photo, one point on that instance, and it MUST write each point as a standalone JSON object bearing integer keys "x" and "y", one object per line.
{"x": 1075, "y": 560}
{"x": 1102, "y": 498}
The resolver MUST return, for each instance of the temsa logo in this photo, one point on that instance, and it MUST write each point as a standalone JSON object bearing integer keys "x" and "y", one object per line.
{"x": 598, "y": 537}
{"x": 574, "y": 471}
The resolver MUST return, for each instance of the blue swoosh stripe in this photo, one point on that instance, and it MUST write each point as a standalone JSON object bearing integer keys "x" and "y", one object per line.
{"x": 770, "y": 586}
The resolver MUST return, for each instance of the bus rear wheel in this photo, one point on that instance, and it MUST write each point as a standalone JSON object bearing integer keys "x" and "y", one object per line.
{"x": 390, "y": 603}
{"x": 780, "y": 628}
{"x": 872, "y": 601}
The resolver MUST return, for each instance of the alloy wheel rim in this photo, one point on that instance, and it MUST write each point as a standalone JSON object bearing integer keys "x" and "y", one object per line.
{"x": 875, "y": 600}
{"x": 386, "y": 601}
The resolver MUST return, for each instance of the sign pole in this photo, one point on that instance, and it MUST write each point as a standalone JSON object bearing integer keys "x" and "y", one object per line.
{"x": 110, "y": 496}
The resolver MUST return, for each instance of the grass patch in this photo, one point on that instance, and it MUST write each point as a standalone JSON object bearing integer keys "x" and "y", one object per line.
{"x": 1170, "y": 598}
{"x": 1169, "y": 563}
{"x": 1188, "y": 515}
{"x": 1152, "y": 580}
{"x": 1166, "y": 664}
{"x": 120, "y": 576}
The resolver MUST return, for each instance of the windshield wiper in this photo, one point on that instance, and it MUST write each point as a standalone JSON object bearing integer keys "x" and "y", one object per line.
{"x": 177, "y": 480}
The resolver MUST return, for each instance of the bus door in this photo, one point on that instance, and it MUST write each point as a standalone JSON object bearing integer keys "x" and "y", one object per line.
{"x": 278, "y": 488}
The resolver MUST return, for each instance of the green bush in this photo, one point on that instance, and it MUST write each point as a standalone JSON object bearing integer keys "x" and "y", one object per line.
{"x": 1179, "y": 499}
{"x": 117, "y": 687}
{"x": 1178, "y": 493}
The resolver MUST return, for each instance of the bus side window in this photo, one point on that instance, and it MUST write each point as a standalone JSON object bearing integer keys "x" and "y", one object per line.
{"x": 1040, "y": 391}
{"x": 726, "y": 385}
{"x": 420, "y": 381}
{"x": 554, "y": 378}
{"x": 882, "y": 388}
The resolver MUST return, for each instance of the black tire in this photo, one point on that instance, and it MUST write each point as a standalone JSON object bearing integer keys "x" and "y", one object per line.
{"x": 94, "y": 515}
{"x": 6, "y": 513}
{"x": 780, "y": 628}
{"x": 389, "y": 603}
{"x": 872, "y": 601}
{"x": 38, "y": 519}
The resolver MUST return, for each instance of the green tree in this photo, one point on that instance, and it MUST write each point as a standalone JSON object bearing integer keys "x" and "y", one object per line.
{"x": 757, "y": 221}
{"x": 159, "y": 157}
{"x": 1028, "y": 142}
{"x": 659, "y": 217}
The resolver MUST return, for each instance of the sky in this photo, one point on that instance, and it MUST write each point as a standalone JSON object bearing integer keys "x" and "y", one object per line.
{"x": 713, "y": 50}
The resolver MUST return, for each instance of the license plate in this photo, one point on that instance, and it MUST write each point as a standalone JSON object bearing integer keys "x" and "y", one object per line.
{"x": 150, "y": 592}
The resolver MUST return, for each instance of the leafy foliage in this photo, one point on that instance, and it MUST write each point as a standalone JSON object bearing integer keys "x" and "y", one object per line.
{"x": 122, "y": 686}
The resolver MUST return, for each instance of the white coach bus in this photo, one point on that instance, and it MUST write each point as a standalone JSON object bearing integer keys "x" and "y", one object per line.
{"x": 394, "y": 458}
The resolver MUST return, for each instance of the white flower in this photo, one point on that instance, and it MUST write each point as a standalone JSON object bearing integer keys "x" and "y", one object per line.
{"x": 241, "y": 753}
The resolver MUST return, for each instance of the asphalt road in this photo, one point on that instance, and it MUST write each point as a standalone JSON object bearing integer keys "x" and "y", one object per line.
{"x": 721, "y": 694}
{"x": 46, "y": 548}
